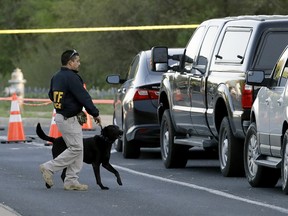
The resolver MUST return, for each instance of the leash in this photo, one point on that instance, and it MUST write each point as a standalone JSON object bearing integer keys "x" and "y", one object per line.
{"x": 101, "y": 128}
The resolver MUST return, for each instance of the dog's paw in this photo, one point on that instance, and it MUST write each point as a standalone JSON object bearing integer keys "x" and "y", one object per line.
{"x": 104, "y": 188}
{"x": 119, "y": 181}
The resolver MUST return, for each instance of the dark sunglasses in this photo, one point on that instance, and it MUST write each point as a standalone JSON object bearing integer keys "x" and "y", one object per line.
{"x": 73, "y": 53}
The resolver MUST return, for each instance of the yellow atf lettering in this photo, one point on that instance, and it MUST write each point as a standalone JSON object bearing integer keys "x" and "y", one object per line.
{"x": 57, "y": 96}
{"x": 57, "y": 105}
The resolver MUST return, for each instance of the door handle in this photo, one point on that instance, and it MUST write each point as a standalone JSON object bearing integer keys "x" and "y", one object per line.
{"x": 121, "y": 91}
{"x": 280, "y": 101}
{"x": 267, "y": 101}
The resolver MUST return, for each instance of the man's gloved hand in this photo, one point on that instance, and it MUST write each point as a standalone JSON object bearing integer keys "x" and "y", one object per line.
{"x": 98, "y": 120}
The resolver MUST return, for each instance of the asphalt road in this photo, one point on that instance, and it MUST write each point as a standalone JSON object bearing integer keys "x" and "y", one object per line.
{"x": 148, "y": 188}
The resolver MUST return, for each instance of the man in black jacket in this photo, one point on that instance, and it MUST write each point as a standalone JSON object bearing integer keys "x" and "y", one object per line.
{"x": 69, "y": 96}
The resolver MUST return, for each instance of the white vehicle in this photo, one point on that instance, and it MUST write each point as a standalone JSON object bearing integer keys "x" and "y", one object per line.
{"x": 266, "y": 143}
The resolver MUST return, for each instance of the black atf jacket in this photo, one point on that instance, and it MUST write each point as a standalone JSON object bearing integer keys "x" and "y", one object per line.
{"x": 69, "y": 95}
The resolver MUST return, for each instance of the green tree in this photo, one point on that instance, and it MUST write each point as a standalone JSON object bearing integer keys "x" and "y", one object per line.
{"x": 103, "y": 53}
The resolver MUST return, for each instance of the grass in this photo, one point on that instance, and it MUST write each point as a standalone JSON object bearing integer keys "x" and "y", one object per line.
{"x": 44, "y": 111}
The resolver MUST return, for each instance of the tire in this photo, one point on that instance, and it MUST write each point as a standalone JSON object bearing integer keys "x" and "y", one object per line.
{"x": 118, "y": 143}
{"x": 257, "y": 176}
{"x": 230, "y": 151}
{"x": 130, "y": 149}
{"x": 284, "y": 164}
{"x": 173, "y": 155}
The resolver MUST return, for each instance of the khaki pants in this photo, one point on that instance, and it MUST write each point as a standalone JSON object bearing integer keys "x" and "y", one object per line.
{"x": 72, "y": 157}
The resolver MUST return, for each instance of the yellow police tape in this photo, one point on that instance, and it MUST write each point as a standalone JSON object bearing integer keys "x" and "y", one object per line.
{"x": 97, "y": 29}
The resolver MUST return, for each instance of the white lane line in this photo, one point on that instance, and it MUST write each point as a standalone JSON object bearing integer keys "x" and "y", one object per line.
{"x": 209, "y": 190}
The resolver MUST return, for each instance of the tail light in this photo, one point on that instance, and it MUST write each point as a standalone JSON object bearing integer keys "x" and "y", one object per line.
{"x": 247, "y": 96}
{"x": 145, "y": 94}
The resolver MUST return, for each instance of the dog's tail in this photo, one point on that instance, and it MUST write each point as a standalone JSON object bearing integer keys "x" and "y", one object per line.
{"x": 42, "y": 135}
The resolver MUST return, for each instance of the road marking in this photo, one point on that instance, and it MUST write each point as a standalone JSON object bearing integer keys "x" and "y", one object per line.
{"x": 209, "y": 190}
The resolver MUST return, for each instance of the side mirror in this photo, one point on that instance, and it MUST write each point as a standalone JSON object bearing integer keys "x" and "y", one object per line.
{"x": 113, "y": 79}
{"x": 159, "y": 59}
{"x": 255, "y": 78}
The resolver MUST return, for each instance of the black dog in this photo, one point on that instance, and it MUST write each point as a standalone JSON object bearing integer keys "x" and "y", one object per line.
{"x": 97, "y": 150}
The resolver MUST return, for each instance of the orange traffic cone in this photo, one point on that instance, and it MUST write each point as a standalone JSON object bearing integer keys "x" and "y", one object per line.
{"x": 53, "y": 132}
{"x": 15, "y": 128}
{"x": 88, "y": 125}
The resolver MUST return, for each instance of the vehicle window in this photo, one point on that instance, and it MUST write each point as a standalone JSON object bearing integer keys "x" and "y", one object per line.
{"x": 133, "y": 68}
{"x": 234, "y": 45}
{"x": 193, "y": 46}
{"x": 276, "y": 75}
{"x": 273, "y": 43}
{"x": 207, "y": 46}
{"x": 280, "y": 64}
{"x": 284, "y": 77}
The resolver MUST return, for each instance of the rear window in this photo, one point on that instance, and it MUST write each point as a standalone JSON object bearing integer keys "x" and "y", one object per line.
{"x": 272, "y": 45}
{"x": 234, "y": 45}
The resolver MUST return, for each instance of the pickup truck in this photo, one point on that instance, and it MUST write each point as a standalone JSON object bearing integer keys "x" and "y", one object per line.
{"x": 266, "y": 143}
{"x": 204, "y": 100}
